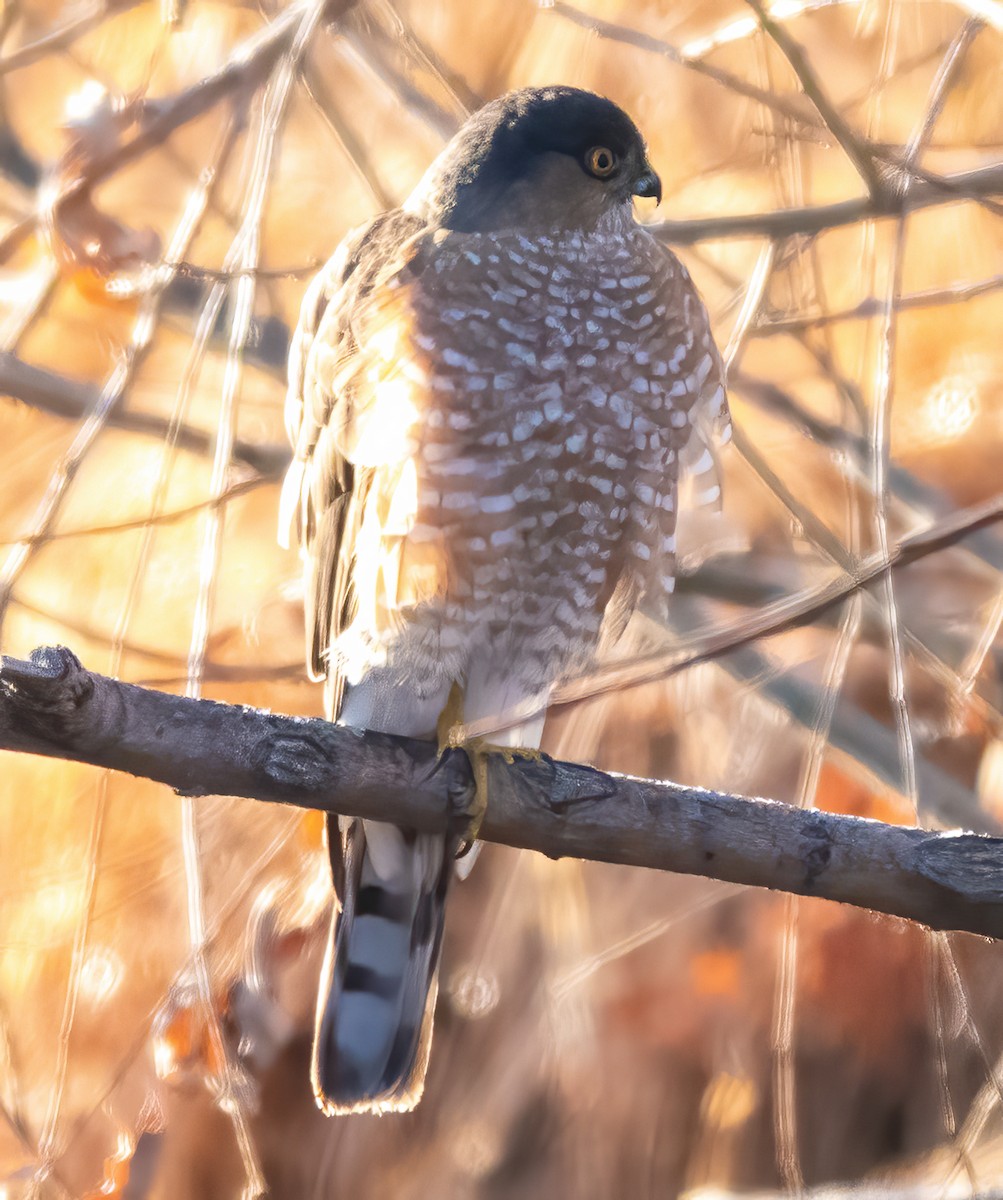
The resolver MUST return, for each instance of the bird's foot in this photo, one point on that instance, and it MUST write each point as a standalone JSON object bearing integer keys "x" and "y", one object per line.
{"x": 479, "y": 751}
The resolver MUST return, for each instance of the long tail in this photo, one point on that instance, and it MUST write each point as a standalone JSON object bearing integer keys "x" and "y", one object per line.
{"x": 378, "y": 990}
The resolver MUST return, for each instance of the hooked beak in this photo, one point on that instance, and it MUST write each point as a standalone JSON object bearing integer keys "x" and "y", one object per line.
{"x": 648, "y": 184}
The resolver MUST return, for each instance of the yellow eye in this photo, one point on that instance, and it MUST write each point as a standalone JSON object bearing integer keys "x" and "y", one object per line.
{"x": 601, "y": 162}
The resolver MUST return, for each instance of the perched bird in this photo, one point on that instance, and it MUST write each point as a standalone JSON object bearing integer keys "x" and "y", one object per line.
{"x": 490, "y": 390}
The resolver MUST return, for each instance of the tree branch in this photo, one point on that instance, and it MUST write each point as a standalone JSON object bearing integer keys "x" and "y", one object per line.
{"x": 64, "y": 397}
{"x": 53, "y": 707}
{"x": 787, "y": 222}
{"x": 247, "y": 69}
{"x": 854, "y": 147}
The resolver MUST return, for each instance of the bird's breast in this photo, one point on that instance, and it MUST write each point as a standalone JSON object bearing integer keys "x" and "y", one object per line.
{"x": 546, "y": 391}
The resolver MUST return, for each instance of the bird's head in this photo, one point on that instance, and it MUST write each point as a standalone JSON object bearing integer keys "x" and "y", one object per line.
{"x": 538, "y": 158}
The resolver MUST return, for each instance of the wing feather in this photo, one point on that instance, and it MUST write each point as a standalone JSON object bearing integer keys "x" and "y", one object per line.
{"x": 329, "y": 401}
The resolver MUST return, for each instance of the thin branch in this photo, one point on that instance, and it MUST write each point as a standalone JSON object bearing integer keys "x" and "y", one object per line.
{"x": 919, "y": 496}
{"x": 873, "y": 307}
{"x": 315, "y": 86}
{"x": 169, "y": 517}
{"x": 815, "y": 219}
{"x": 465, "y": 99}
{"x": 63, "y": 397}
{"x": 53, "y": 707}
{"x": 787, "y": 614}
{"x": 248, "y": 68}
{"x": 854, "y": 146}
{"x": 610, "y": 31}
{"x": 375, "y": 51}
{"x": 215, "y": 672}
{"x": 946, "y": 79}
{"x": 62, "y": 36}
{"x": 192, "y": 270}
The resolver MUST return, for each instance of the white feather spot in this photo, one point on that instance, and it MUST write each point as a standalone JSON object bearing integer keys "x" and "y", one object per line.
{"x": 705, "y": 461}
{"x": 522, "y": 353}
{"x": 703, "y": 368}
{"x": 458, "y": 466}
{"x": 455, "y": 500}
{"x": 453, "y": 358}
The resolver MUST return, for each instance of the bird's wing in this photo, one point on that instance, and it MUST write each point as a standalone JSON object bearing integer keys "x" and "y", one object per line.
{"x": 709, "y": 418}
{"x": 687, "y": 372}
{"x": 343, "y": 377}
{"x": 356, "y": 400}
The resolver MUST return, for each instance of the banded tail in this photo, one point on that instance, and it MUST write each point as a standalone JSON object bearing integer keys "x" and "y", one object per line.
{"x": 380, "y": 979}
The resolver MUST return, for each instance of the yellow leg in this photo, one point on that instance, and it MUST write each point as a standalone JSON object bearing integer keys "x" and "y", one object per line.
{"x": 477, "y": 751}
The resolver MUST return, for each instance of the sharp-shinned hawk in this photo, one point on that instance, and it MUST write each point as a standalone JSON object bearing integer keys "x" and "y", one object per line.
{"x": 490, "y": 392}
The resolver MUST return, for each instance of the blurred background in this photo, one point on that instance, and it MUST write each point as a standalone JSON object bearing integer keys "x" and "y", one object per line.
{"x": 171, "y": 175}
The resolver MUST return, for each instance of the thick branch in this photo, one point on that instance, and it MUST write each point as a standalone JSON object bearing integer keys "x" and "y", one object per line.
{"x": 52, "y": 706}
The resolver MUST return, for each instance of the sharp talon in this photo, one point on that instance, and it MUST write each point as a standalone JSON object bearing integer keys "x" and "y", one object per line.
{"x": 479, "y": 752}
{"x": 448, "y": 731}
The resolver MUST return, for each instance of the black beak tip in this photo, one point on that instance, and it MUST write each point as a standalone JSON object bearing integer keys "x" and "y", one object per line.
{"x": 649, "y": 185}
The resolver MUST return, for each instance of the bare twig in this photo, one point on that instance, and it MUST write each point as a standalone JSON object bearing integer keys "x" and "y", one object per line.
{"x": 946, "y": 78}
{"x": 53, "y": 707}
{"x": 652, "y": 45}
{"x": 169, "y": 517}
{"x": 464, "y": 99}
{"x": 52, "y": 393}
{"x": 790, "y": 613}
{"x": 248, "y": 68}
{"x": 920, "y": 496}
{"x": 62, "y": 36}
{"x": 814, "y": 219}
{"x": 315, "y": 86}
{"x": 855, "y": 147}
{"x": 872, "y": 307}
{"x": 376, "y": 51}
{"x": 174, "y": 664}
{"x": 192, "y": 270}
